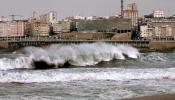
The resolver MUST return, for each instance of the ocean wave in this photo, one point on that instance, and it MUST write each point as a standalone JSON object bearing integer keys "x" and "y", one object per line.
{"x": 157, "y": 57}
{"x": 76, "y": 55}
{"x": 88, "y": 74}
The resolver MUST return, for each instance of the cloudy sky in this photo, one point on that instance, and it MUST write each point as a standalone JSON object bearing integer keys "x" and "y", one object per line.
{"x": 67, "y": 8}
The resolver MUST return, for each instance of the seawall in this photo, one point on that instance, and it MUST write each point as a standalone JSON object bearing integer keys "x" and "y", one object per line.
{"x": 162, "y": 45}
{"x": 24, "y": 43}
{"x": 4, "y": 44}
{"x": 143, "y": 46}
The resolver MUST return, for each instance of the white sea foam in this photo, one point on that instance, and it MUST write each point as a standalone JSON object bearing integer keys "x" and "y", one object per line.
{"x": 88, "y": 74}
{"x": 77, "y": 55}
{"x": 19, "y": 62}
{"x": 83, "y": 54}
{"x": 154, "y": 57}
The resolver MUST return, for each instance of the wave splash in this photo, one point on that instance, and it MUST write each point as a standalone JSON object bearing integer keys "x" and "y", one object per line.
{"x": 76, "y": 55}
{"x": 86, "y": 74}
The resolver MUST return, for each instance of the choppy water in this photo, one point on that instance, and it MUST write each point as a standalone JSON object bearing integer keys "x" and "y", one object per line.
{"x": 96, "y": 72}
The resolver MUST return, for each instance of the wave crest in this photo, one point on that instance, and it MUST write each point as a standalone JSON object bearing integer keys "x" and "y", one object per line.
{"x": 76, "y": 55}
{"x": 81, "y": 55}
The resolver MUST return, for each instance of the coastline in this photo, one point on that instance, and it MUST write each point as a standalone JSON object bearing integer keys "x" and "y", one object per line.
{"x": 158, "y": 97}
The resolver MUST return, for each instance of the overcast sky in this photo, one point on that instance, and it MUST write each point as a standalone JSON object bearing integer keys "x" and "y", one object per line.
{"x": 67, "y": 8}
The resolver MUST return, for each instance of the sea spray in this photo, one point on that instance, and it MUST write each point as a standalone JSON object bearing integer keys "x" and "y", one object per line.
{"x": 82, "y": 54}
{"x": 76, "y": 55}
{"x": 17, "y": 63}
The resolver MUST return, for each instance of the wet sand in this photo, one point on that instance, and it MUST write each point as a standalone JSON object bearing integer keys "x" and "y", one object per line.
{"x": 162, "y": 97}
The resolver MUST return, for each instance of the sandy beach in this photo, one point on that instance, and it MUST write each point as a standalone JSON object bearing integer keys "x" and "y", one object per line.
{"x": 161, "y": 97}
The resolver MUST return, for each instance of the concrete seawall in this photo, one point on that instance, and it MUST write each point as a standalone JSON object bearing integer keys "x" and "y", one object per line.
{"x": 141, "y": 45}
{"x": 162, "y": 45}
{"x": 18, "y": 44}
{"x": 4, "y": 44}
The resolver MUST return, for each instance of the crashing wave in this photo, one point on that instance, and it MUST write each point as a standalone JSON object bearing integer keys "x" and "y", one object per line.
{"x": 76, "y": 55}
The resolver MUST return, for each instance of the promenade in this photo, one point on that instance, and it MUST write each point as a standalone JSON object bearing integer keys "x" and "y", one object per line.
{"x": 20, "y": 42}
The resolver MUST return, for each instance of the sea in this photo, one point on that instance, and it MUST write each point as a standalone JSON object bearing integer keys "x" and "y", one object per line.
{"x": 96, "y": 71}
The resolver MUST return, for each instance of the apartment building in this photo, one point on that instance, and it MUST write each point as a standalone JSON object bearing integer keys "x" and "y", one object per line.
{"x": 163, "y": 29}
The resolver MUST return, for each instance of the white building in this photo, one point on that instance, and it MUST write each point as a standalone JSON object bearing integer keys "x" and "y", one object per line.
{"x": 52, "y": 15}
{"x": 2, "y": 18}
{"x": 158, "y": 14}
{"x": 146, "y": 32}
{"x": 79, "y": 17}
{"x": 90, "y": 18}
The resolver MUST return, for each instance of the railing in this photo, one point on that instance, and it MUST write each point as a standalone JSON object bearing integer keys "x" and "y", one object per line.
{"x": 38, "y": 41}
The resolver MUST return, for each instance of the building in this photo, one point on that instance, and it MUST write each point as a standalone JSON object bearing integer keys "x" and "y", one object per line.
{"x": 147, "y": 20}
{"x": 4, "y": 29}
{"x": 131, "y": 13}
{"x": 79, "y": 17}
{"x": 146, "y": 32}
{"x": 117, "y": 25}
{"x": 57, "y": 28}
{"x": 44, "y": 18}
{"x": 158, "y": 14}
{"x": 17, "y": 27}
{"x": 33, "y": 27}
{"x": 36, "y": 28}
{"x": 43, "y": 29}
{"x": 92, "y": 18}
{"x": 2, "y": 18}
{"x": 66, "y": 26}
{"x": 49, "y": 18}
{"x": 39, "y": 29}
{"x": 173, "y": 16}
{"x": 163, "y": 29}
{"x": 52, "y": 17}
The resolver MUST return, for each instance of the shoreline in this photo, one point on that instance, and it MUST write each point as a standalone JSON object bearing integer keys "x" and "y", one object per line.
{"x": 156, "y": 97}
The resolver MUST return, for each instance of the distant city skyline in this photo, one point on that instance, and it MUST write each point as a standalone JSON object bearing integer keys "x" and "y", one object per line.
{"x": 66, "y": 8}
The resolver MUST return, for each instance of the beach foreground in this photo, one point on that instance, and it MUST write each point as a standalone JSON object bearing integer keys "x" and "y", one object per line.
{"x": 161, "y": 97}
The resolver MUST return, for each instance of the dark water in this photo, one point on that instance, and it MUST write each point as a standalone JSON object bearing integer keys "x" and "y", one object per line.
{"x": 96, "y": 72}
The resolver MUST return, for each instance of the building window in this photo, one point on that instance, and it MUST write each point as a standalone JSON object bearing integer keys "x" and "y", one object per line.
{"x": 157, "y": 31}
{"x": 168, "y": 31}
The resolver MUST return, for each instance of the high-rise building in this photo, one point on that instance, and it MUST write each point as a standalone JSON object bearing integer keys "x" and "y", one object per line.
{"x": 131, "y": 13}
